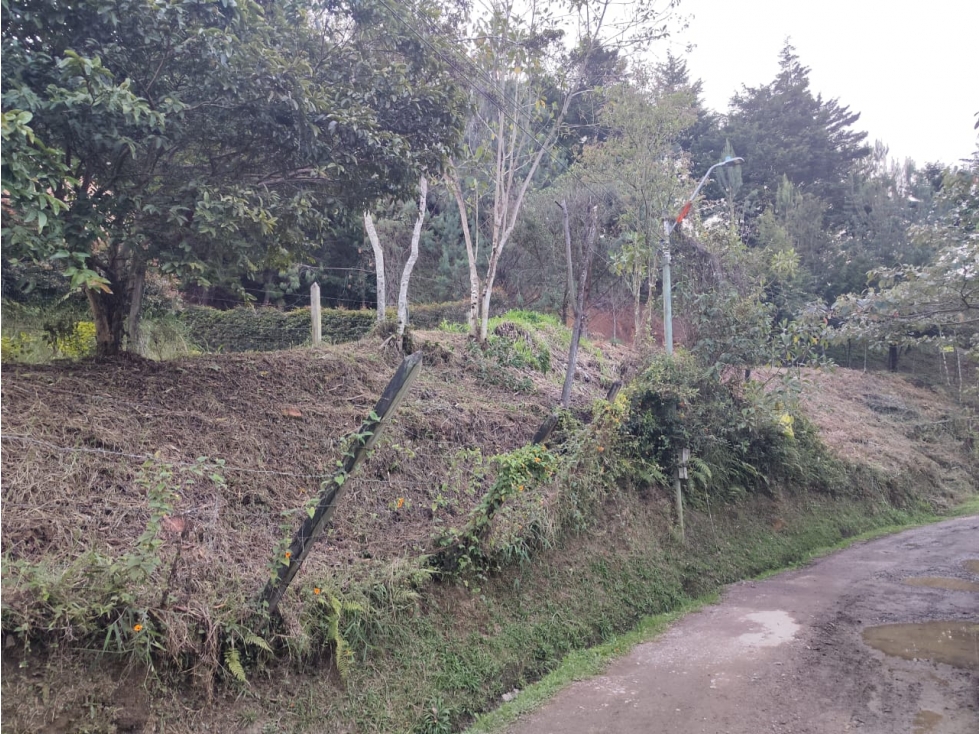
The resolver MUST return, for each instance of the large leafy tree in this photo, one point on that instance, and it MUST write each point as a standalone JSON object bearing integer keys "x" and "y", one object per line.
{"x": 204, "y": 137}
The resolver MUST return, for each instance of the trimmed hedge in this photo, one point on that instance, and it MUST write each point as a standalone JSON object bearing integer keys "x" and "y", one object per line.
{"x": 268, "y": 329}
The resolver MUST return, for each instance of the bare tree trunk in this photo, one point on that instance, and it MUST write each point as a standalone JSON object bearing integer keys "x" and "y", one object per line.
{"x": 579, "y": 315}
{"x": 615, "y": 319}
{"x": 510, "y": 192}
{"x": 958, "y": 362}
{"x": 569, "y": 291}
{"x": 378, "y": 266}
{"x": 651, "y": 275}
{"x": 453, "y": 181}
{"x": 409, "y": 266}
{"x": 488, "y": 294}
{"x": 135, "y": 304}
{"x": 637, "y": 314}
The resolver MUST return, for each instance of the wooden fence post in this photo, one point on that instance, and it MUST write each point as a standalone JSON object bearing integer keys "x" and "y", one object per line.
{"x": 330, "y": 491}
{"x": 314, "y": 309}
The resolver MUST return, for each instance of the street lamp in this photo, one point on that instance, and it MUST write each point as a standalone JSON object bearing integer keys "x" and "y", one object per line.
{"x": 683, "y": 454}
{"x": 667, "y": 231}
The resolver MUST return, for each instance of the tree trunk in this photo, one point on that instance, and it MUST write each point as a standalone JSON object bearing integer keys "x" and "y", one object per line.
{"x": 453, "y": 181}
{"x": 488, "y": 294}
{"x": 409, "y": 266}
{"x": 579, "y": 315}
{"x": 109, "y": 315}
{"x": 378, "y": 266}
{"x": 135, "y": 305}
{"x": 569, "y": 292}
{"x": 637, "y": 313}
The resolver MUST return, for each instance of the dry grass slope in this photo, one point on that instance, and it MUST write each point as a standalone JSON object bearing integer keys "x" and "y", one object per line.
{"x": 76, "y": 438}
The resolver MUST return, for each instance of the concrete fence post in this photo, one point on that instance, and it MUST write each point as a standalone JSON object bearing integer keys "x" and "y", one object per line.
{"x": 314, "y": 309}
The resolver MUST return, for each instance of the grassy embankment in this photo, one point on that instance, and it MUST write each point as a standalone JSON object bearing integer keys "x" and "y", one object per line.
{"x": 548, "y": 558}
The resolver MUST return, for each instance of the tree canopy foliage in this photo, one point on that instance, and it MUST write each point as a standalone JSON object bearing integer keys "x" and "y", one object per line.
{"x": 937, "y": 301}
{"x": 783, "y": 130}
{"x": 205, "y": 137}
{"x": 234, "y": 146}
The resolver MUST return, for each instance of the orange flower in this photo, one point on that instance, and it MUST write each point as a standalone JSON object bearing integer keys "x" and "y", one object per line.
{"x": 401, "y": 502}
{"x": 137, "y": 628}
{"x": 520, "y": 488}
{"x": 288, "y": 554}
{"x": 316, "y": 590}
{"x": 601, "y": 449}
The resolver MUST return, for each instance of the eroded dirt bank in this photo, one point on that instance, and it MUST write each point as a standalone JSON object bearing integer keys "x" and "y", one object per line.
{"x": 795, "y": 653}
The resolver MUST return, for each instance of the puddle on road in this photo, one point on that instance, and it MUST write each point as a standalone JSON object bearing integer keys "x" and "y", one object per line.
{"x": 778, "y": 627}
{"x": 952, "y": 643}
{"x": 940, "y": 582}
{"x": 972, "y": 565}
{"x": 925, "y": 722}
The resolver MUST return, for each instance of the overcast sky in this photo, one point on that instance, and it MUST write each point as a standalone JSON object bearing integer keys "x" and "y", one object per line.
{"x": 910, "y": 69}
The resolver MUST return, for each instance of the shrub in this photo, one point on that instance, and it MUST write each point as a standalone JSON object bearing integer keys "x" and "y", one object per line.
{"x": 737, "y": 433}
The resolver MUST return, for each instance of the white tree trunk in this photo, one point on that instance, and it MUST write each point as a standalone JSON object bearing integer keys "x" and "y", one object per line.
{"x": 409, "y": 266}
{"x": 378, "y": 266}
{"x": 452, "y": 180}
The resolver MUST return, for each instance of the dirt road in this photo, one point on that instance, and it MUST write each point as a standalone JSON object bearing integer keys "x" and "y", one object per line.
{"x": 882, "y": 638}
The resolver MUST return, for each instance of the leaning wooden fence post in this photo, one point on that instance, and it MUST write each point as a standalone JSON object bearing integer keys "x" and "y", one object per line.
{"x": 314, "y": 309}
{"x": 330, "y": 491}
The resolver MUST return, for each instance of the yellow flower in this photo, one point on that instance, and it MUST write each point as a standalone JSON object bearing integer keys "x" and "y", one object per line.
{"x": 137, "y": 628}
{"x": 520, "y": 488}
{"x": 537, "y": 459}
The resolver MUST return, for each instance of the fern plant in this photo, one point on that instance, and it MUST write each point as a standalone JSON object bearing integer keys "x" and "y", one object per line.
{"x": 333, "y": 610}
{"x": 232, "y": 661}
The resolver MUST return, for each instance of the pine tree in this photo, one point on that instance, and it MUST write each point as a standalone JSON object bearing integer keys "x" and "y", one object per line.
{"x": 783, "y": 129}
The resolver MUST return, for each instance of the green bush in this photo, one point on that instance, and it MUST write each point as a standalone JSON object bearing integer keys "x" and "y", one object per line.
{"x": 740, "y": 437}
{"x": 40, "y": 333}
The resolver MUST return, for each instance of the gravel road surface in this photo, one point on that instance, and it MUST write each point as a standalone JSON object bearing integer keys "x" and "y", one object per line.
{"x": 881, "y": 638}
